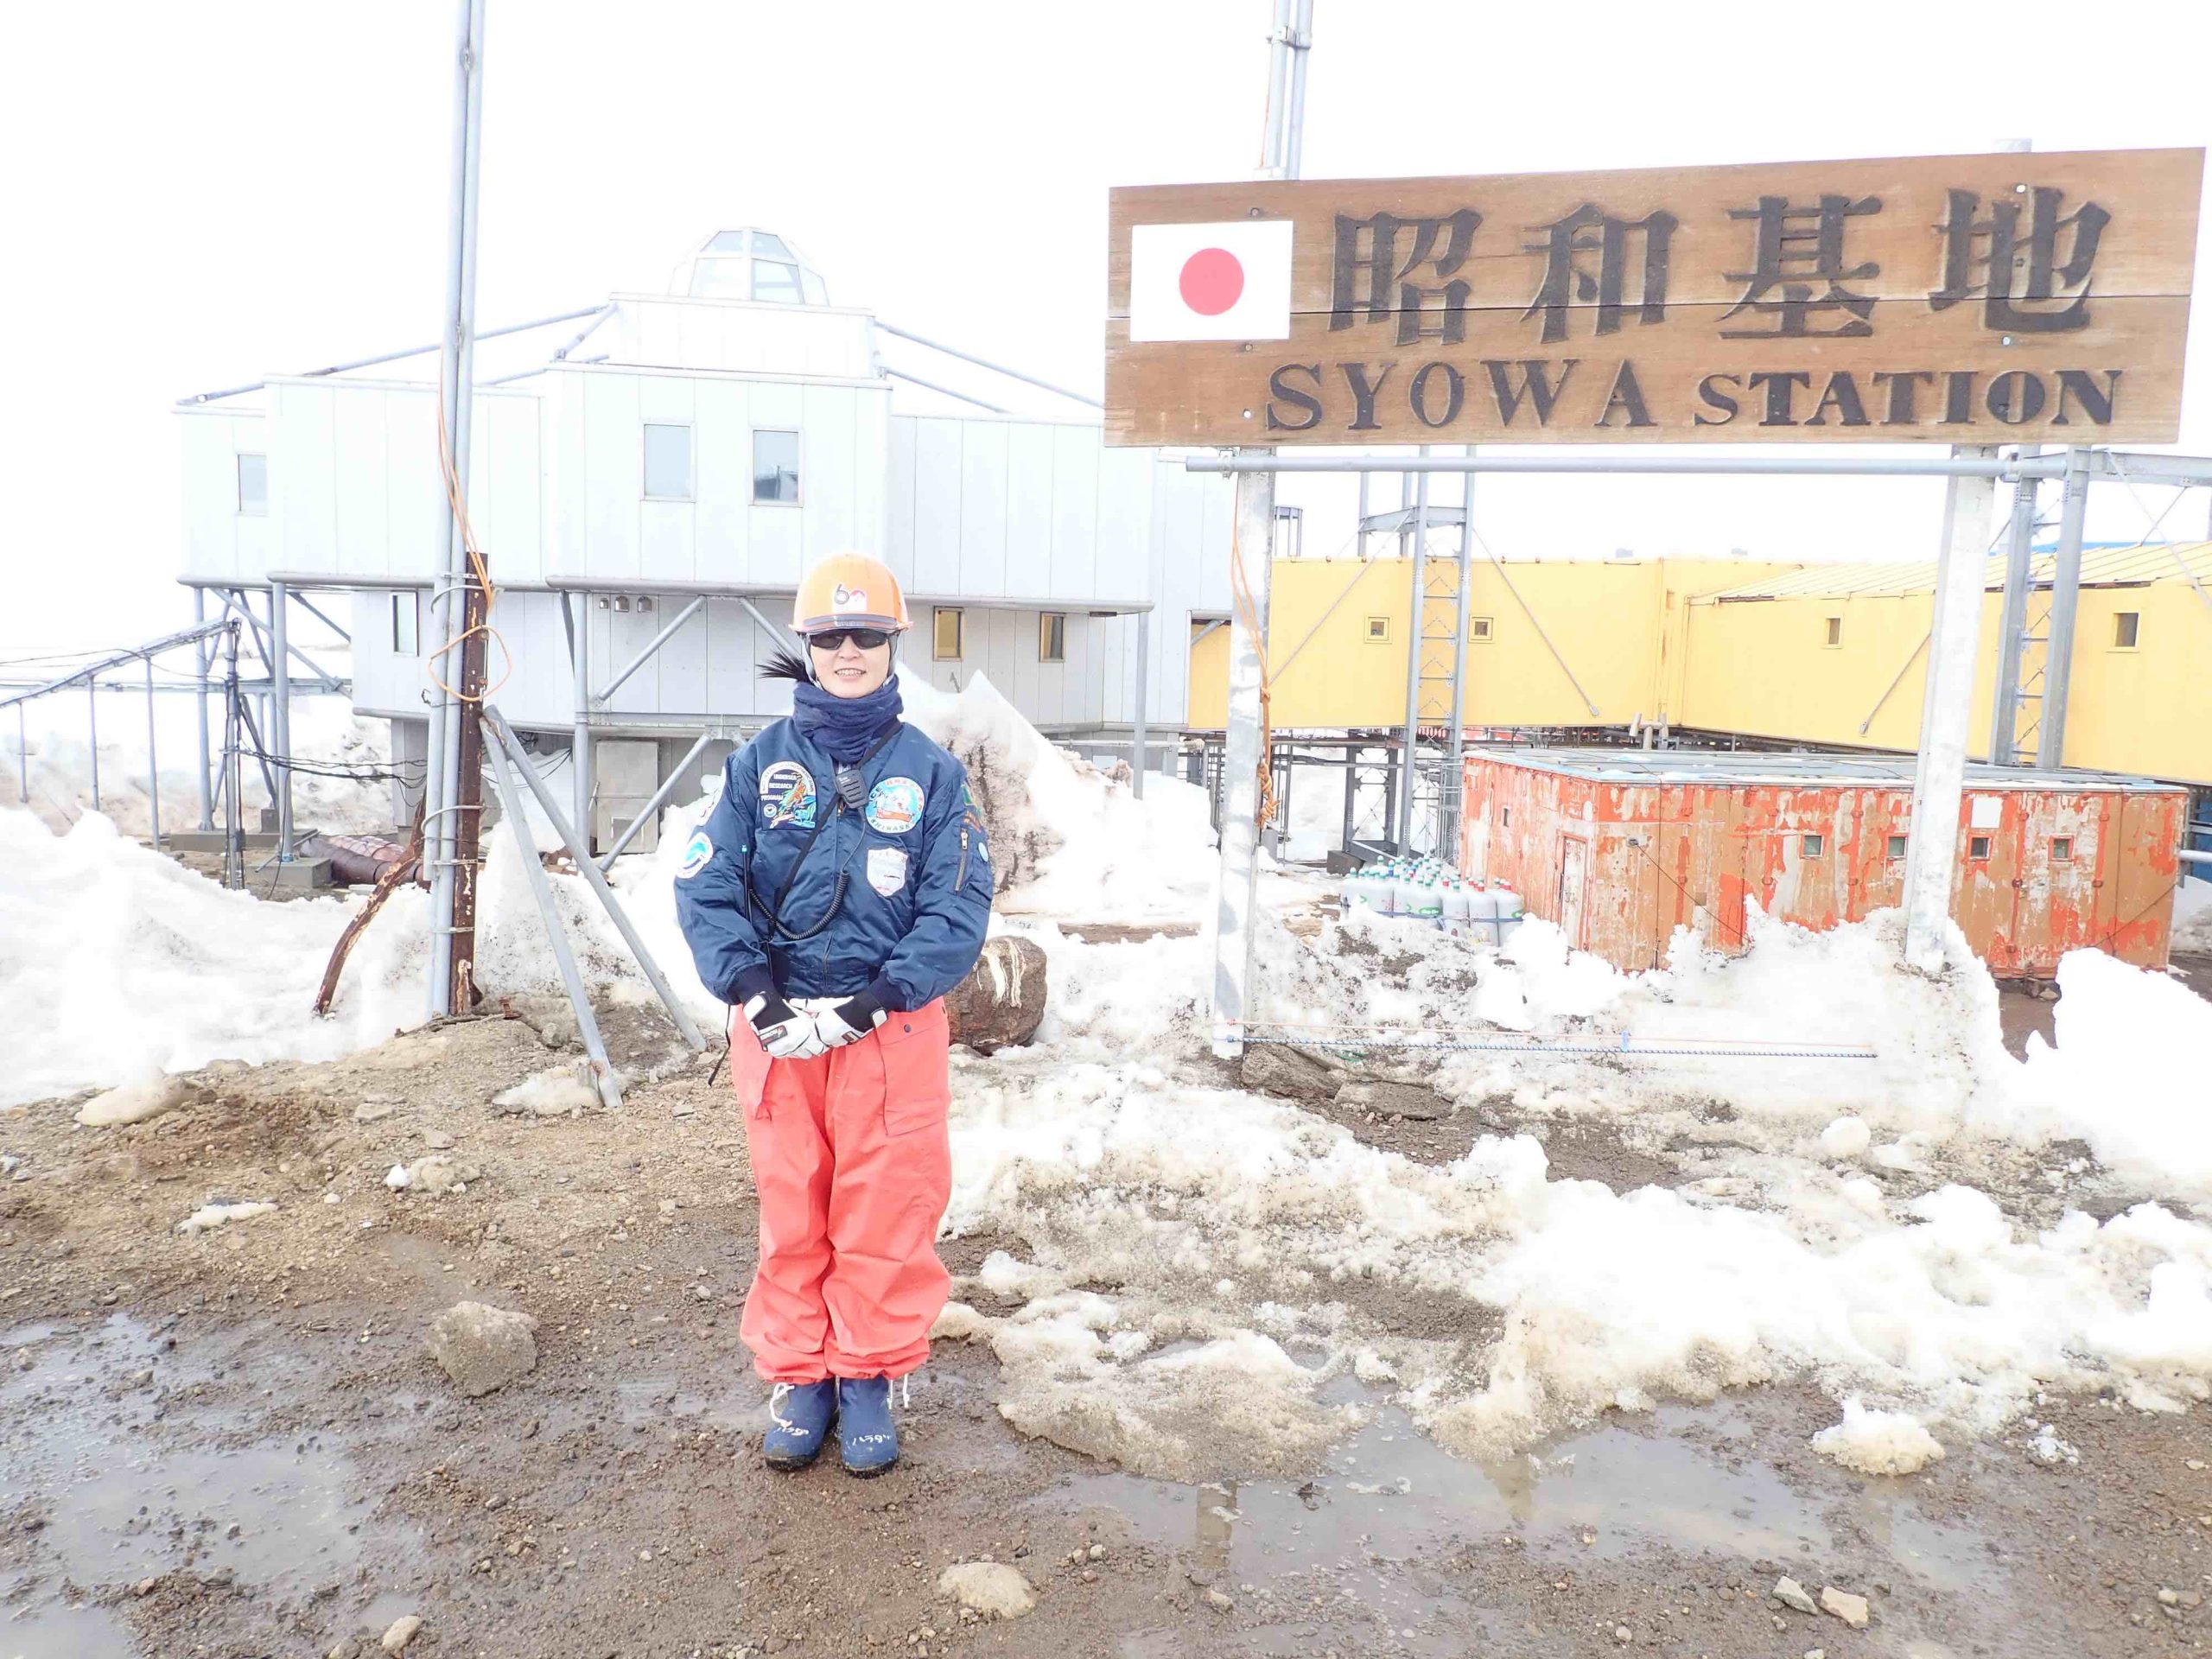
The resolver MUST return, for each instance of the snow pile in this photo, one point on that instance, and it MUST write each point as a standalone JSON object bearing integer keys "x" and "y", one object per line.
{"x": 1068, "y": 839}
{"x": 208, "y": 1216}
{"x": 1878, "y": 1442}
{"x": 2127, "y": 1074}
{"x": 1220, "y": 1217}
{"x": 117, "y": 964}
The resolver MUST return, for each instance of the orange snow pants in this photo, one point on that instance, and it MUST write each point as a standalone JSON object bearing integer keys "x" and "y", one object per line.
{"x": 853, "y": 1168}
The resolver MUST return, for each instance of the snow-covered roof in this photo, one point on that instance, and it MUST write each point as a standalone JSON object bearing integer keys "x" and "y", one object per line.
{"x": 2124, "y": 565}
{"x": 1677, "y": 767}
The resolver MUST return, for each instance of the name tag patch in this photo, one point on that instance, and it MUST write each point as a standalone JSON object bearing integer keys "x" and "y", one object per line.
{"x": 887, "y": 870}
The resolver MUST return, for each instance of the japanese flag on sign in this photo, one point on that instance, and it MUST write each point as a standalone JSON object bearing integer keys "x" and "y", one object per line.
{"x": 1228, "y": 281}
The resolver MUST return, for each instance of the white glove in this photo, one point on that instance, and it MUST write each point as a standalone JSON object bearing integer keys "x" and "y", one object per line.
{"x": 786, "y": 1032}
{"x": 847, "y": 1020}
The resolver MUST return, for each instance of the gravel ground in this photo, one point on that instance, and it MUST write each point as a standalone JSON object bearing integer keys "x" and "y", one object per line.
{"x": 234, "y": 1443}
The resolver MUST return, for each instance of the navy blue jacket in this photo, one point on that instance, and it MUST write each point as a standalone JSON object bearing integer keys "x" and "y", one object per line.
{"x": 893, "y": 896}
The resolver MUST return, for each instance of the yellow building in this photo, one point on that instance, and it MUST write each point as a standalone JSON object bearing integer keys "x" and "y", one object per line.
{"x": 1826, "y": 654}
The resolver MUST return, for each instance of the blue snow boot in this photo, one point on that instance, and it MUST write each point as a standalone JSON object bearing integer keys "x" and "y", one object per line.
{"x": 800, "y": 1414}
{"x": 866, "y": 1437}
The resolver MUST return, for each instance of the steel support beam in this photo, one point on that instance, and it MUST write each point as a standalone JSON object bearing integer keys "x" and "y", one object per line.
{"x": 2065, "y": 601}
{"x": 646, "y": 655}
{"x": 203, "y": 788}
{"x": 280, "y": 721}
{"x": 580, "y": 736}
{"x": 1242, "y": 759}
{"x": 1939, "y": 775}
{"x": 1138, "y": 736}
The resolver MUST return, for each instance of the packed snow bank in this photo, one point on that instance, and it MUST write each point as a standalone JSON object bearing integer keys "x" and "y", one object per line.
{"x": 1215, "y": 1217}
{"x": 1068, "y": 839}
{"x": 2127, "y": 1075}
{"x": 117, "y": 964}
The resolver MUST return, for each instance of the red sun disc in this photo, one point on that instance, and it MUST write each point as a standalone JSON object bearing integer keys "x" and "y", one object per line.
{"x": 1212, "y": 282}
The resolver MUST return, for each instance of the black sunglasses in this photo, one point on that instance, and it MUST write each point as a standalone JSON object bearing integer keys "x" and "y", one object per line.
{"x": 834, "y": 638}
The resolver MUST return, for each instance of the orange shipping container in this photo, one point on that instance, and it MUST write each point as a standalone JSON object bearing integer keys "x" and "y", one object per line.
{"x": 1620, "y": 847}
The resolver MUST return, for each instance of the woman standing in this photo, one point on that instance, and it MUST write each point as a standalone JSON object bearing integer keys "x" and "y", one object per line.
{"x": 839, "y": 888}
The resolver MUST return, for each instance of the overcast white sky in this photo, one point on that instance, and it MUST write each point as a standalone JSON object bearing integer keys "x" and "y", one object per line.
{"x": 198, "y": 193}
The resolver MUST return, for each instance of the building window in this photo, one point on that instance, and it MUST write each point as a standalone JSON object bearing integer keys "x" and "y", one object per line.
{"x": 2062, "y": 849}
{"x": 1505, "y": 817}
{"x": 2126, "y": 625}
{"x": 1809, "y": 846}
{"x": 407, "y": 624}
{"x": 1835, "y": 634}
{"x": 950, "y": 628}
{"x": 253, "y": 484}
{"x": 1053, "y": 637}
{"x": 775, "y": 467}
{"x": 1978, "y": 847}
{"x": 1896, "y": 846}
{"x": 1478, "y": 629}
{"x": 1378, "y": 629}
{"x": 668, "y": 463}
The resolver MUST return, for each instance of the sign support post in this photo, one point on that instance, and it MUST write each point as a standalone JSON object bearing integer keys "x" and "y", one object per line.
{"x": 1242, "y": 757}
{"x": 1945, "y": 709}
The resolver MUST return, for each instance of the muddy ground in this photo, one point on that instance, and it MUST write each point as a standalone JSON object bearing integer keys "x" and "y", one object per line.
{"x": 234, "y": 1443}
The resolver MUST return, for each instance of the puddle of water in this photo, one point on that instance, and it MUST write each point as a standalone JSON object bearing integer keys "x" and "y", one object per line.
{"x": 54, "y": 1629}
{"x": 137, "y": 1479}
{"x": 1687, "y": 1477}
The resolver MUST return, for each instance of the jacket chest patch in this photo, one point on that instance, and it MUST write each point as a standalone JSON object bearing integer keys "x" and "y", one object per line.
{"x": 787, "y": 795}
{"x": 887, "y": 870}
{"x": 894, "y": 806}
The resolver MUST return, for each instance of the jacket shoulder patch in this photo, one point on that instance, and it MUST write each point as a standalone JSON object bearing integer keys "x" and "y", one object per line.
{"x": 698, "y": 853}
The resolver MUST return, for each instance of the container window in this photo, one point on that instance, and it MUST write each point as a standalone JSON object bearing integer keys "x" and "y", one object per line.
{"x": 668, "y": 463}
{"x": 2062, "y": 849}
{"x": 1505, "y": 815}
{"x": 407, "y": 624}
{"x": 253, "y": 484}
{"x": 1897, "y": 846}
{"x": 950, "y": 629}
{"x": 1978, "y": 847}
{"x": 1834, "y": 633}
{"x": 1810, "y": 846}
{"x": 2126, "y": 625}
{"x": 1478, "y": 629}
{"x": 775, "y": 467}
{"x": 1053, "y": 637}
{"x": 1378, "y": 628}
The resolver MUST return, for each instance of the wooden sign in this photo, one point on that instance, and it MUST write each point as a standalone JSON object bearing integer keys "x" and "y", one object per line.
{"x": 1963, "y": 299}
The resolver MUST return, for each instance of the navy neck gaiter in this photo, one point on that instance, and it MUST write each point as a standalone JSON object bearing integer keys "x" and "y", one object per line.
{"x": 847, "y": 727}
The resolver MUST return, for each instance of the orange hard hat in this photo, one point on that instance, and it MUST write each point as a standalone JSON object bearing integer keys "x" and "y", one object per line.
{"x": 849, "y": 590}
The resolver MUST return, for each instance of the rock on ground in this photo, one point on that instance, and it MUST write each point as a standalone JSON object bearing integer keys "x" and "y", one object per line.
{"x": 402, "y": 1632}
{"x": 482, "y": 1348}
{"x": 1851, "y": 1609}
{"x": 1790, "y": 1593}
{"x": 134, "y": 1102}
{"x": 1391, "y": 1100}
{"x": 992, "y": 1588}
{"x": 1001, "y": 1003}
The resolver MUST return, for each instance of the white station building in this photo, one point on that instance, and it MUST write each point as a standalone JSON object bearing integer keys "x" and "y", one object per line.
{"x": 647, "y": 501}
